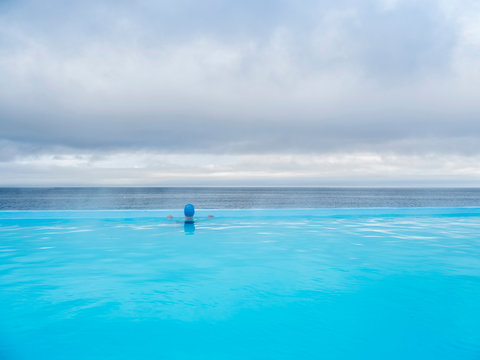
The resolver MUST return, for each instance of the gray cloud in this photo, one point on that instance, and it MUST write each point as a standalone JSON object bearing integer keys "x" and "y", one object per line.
{"x": 220, "y": 77}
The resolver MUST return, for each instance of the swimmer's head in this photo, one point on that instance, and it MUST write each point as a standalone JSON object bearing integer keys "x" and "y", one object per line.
{"x": 189, "y": 210}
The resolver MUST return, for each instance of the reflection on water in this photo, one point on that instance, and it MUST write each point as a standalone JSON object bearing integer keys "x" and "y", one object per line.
{"x": 189, "y": 227}
{"x": 266, "y": 285}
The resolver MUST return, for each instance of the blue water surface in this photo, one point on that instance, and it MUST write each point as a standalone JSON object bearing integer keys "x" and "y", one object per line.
{"x": 392, "y": 283}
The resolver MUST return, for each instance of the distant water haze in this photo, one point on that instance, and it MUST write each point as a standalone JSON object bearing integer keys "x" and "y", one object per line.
{"x": 233, "y": 198}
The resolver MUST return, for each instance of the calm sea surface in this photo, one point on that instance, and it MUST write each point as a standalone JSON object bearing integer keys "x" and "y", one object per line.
{"x": 232, "y": 198}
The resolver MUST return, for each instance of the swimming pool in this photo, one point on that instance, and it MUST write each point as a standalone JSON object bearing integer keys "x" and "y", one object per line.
{"x": 248, "y": 284}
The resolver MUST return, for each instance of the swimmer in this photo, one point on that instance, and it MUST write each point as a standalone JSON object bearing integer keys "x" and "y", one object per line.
{"x": 189, "y": 211}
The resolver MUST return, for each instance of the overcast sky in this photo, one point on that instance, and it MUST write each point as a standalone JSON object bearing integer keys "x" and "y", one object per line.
{"x": 344, "y": 92}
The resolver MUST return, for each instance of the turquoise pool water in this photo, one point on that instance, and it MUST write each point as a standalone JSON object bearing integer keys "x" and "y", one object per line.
{"x": 247, "y": 284}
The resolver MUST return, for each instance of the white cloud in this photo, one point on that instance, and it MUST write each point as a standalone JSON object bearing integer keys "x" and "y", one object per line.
{"x": 153, "y": 168}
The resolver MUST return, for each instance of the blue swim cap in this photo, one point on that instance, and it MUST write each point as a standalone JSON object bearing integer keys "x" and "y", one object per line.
{"x": 189, "y": 210}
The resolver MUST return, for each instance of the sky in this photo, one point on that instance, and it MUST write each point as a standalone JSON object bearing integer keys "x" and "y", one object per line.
{"x": 243, "y": 93}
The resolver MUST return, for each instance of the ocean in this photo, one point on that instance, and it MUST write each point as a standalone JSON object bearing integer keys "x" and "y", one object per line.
{"x": 114, "y": 198}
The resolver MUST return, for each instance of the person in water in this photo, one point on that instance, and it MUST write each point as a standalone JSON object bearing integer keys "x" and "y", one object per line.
{"x": 189, "y": 224}
{"x": 189, "y": 211}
